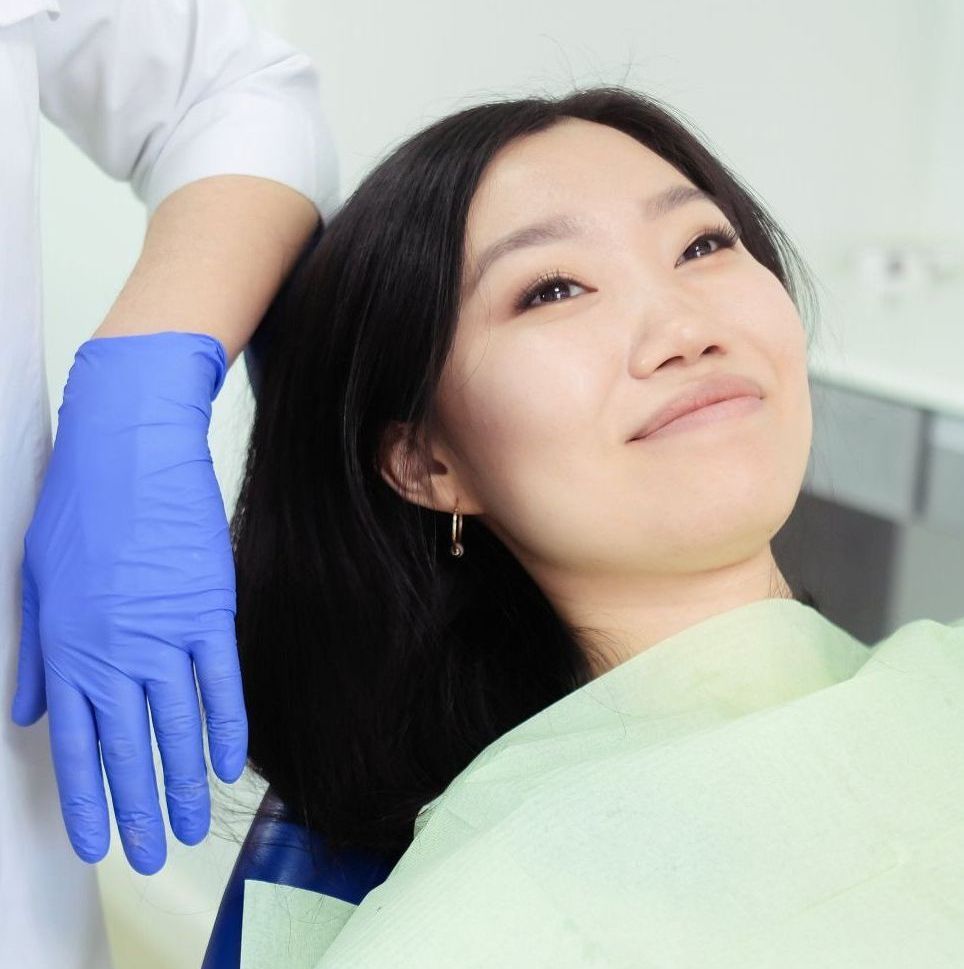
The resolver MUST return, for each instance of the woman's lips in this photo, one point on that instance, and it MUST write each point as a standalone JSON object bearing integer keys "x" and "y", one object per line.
{"x": 711, "y": 413}
{"x": 710, "y": 389}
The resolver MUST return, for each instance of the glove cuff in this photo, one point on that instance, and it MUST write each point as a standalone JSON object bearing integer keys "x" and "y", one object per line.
{"x": 114, "y": 375}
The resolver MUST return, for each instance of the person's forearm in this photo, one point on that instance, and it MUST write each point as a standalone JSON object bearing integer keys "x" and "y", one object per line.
{"x": 215, "y": 254}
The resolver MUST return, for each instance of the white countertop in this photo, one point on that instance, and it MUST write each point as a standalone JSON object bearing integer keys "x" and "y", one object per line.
{"x": 908, "y": 348}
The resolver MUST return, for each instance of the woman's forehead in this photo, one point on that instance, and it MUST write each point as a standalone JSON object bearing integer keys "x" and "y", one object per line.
{"x": 565, "y": 166}
{"x": 540, "y": 197}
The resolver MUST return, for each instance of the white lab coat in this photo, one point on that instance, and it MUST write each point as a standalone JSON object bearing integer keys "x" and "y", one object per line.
{"x": 158, "y": 93}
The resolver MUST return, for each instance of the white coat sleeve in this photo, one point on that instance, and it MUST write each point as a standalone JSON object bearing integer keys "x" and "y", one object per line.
{"x": 161, "y": 93}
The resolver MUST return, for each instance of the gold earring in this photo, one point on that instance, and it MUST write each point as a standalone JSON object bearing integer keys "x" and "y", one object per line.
{"x": 457, "y": 547}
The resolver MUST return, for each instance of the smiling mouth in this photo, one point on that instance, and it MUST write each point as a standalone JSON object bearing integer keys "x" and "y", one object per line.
{"x": 722, "y": 410}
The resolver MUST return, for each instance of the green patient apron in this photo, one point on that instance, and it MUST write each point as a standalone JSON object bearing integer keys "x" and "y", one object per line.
{"x": 759, "y": 790}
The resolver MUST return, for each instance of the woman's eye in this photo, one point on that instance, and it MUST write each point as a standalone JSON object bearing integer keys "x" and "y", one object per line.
{"x": 554, "y": 287}
{"x": 723, "y": 236}
{"x": 704, "y": 243}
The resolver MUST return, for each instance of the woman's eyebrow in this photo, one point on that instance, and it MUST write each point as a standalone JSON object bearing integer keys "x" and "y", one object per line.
{"x": 558, "y": 227}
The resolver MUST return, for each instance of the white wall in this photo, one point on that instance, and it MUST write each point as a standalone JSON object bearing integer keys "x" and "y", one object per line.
{"x": 839, "y": 116}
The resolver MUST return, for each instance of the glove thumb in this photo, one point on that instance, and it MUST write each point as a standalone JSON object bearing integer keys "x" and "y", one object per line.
{"x": 30, "y": 700}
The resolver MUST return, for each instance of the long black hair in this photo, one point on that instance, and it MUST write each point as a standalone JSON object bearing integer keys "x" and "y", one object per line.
{"x": 376, "y": 666}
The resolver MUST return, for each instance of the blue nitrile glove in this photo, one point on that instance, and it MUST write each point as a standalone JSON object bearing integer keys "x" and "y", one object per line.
{"x": 128, "y": 588}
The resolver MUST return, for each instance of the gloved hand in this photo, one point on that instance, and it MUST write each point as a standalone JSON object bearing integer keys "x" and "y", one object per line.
{"x": 128, "y": 588}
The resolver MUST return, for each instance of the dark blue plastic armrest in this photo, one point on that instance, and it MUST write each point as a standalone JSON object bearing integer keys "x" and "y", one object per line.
{"x": 283, "y": 852}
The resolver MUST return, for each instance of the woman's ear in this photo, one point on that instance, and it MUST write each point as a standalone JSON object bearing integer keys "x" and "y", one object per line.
{"x": 408, "y": 466}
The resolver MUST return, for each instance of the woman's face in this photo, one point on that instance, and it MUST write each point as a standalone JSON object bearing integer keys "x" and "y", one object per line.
{"x": 537, "y": 402}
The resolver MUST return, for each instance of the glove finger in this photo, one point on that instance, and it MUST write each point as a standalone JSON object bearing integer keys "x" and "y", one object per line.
{"x": 125, "y": 745}
{"x": 219, "y": 677}
{"x": 30, "y": 699}
{"x": 73, "y": 744}
{"x": 177, "y": 726}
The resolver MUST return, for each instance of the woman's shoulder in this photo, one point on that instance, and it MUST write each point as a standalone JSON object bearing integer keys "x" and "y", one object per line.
{"x": 832, "y": 808}
{"x": 923, "y": 646}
